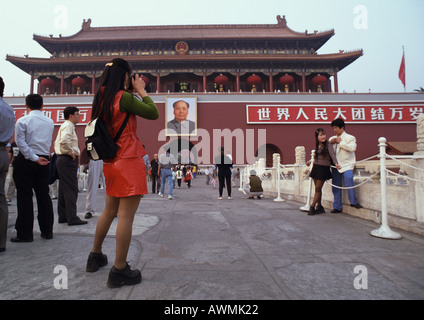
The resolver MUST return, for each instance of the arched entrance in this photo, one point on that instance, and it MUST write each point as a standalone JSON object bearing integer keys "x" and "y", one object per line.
{"x": 270, "y": 149}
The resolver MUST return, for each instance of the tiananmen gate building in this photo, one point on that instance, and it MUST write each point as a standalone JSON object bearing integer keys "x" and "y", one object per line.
{"x": 250, "y": 87}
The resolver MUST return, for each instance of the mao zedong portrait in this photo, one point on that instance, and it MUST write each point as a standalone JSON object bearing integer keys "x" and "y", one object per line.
{"x": 180, "y": 124}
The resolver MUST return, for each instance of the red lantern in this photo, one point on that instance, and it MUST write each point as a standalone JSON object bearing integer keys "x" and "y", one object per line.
{"x": 319, "y": 80}
{"x": 48, "y": 84}
{"x": 78, "y": 82}
{"x": 145, "y": 79}
{"x": 253, "y": 81}
{"x": 286, "y": 80}
{"x": 221, "y": 80}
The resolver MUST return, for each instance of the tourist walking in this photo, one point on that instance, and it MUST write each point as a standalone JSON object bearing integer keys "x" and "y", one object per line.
{"x": 68, "y": 152}
{"x": 188, "y": 177}
{"x": 321, "y": 172}
{"x": 33, "y": 136}
{"x": 344, "y": 145}
{"x": 7, "y": 126}
{"x": 155, "y": 176}
{"x": 166, "y": 163}
{"x": 126, "y": 173}
{"x": 179, "y": 176}
{"x": 224, "y": 165}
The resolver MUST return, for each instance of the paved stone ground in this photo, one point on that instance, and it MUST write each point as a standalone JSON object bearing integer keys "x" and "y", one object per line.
{"x": 197, "y": 247}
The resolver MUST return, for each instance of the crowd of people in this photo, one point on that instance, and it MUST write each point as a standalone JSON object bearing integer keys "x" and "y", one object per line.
{"x": 127, "y": 174}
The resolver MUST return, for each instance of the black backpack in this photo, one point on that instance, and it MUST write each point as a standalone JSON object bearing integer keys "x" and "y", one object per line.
{"x": 99, "y": 143}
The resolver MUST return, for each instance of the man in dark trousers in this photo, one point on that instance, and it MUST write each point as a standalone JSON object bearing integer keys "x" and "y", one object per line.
{"x": 7, "y": 126}
{"x": 33, "y": 136}
{"x": 155, "y": 178}
{"x": 224, "y": 164}
{"x": 68, "y": 152}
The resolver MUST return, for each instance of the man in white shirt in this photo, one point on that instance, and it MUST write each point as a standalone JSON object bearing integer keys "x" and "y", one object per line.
{"x": 7, "y": 126}
{"x": 67, "y": 150}
{"x": 344, "y": 146}
{"x": 33, "y": 136}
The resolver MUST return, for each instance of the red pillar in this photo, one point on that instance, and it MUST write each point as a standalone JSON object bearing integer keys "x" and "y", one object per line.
{"x": 303, "y": 82}
{"x": 93, "y": 84}
{"x": 62, "y": 83}
{"x": 158, "y": 82}
{"x": 238, "y": 82}
{"x": 336, "y": 83}
{"x": 32, "y": 85}
{"x": 204, "y": 82}
{"x": 271, "y": 83}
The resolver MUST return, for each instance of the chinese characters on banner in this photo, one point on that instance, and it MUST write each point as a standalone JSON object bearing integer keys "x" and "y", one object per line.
{"x": 56, "y": 114}
{"x": 297, "y": 114}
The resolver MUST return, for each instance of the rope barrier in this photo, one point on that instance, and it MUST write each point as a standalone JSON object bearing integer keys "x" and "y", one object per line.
{"x": 268, "y": 174}
{"x": 404, "y": 163}
{"x": 403, "y": 176}
{"x": 355, "y": 186}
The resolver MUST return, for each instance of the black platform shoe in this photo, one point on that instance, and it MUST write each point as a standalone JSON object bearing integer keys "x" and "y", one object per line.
{"x": 118, "y": 278}
{"x": 95, "y": 261}
{"x": 320, "y": 209}
{"x": 311, "y": 211}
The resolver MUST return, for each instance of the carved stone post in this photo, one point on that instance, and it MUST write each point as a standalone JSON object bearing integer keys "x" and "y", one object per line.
{"x": 419, "y": 175}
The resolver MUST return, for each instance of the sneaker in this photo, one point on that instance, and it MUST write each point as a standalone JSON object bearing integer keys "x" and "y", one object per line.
{"x": 229, "y": 198}
{"x": 161, "y": 195}
{"x": 336, "y": 211}
{"x": 95, "y": 261}
{"x": 170, "y": 197}
{"x": 357, "y": 206}
{"x": 219, "y": 198}
{"x": 118, "y": 278}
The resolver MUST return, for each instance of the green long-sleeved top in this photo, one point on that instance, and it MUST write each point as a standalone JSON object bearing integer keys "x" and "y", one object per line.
{"x": 146, "y": 109}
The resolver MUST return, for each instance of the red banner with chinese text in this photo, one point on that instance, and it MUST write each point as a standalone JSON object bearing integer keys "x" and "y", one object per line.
{"x": 56, "y": 114}
{"x": 297, "y": 114}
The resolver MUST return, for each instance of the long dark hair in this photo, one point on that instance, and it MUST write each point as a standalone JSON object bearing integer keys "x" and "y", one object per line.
{"x": 111, "y": 82}
{"x": 325, "y": 145}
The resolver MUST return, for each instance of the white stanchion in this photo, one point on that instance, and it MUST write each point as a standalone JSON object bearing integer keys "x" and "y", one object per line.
{"x": 306, "y": 207}
{"x": 278, "y": 199}
{"x": 308, "y": 198}
{"x": 384, "y": 231}
{"x": 241, "y": 179}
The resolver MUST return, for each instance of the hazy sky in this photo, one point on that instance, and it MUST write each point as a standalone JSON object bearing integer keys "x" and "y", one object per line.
{"x": 379, "y": 27}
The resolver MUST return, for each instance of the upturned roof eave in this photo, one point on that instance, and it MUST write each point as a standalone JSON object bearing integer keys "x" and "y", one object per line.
{"x": 26, "y": 63}
{"x": 185, "y": 33}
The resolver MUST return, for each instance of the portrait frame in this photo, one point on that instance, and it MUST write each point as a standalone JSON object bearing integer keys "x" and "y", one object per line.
{"x": 172, "y": 127}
